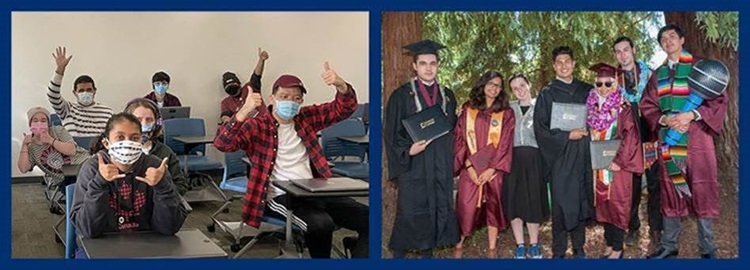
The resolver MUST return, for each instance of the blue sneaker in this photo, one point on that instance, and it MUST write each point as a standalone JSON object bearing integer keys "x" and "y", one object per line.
{"x": 520, "y": 252}
{"x": 534, "y": 252}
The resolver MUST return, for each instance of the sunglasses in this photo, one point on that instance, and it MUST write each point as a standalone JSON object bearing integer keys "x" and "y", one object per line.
{"x": 607, "y": 84}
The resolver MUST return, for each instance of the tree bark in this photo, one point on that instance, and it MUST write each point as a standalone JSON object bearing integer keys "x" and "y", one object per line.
{"x": 727, "y": 147}
{"x": 398, "y": 30}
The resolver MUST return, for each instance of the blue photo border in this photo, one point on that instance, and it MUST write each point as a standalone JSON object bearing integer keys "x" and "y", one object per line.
{"x": 375, "y": 8}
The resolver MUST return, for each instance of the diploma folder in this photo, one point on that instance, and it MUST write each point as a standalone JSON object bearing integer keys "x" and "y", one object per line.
{"x": 603, "y": 152}
{"x": 568, "y": 116}
{"x": 427, "y": 124}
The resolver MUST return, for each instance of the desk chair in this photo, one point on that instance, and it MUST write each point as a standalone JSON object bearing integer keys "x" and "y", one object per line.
{"x": 84, "y": 142}
{"x": 55, "y": 120}
{"x": 235, "y": 179}
{"x": 337, "y": 150}
{"x": 196, "y": 158}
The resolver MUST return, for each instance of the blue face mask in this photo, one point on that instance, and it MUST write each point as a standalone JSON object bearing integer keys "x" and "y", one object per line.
{"x": 161, "y": 89}
{"x": 86, "y": 98}
{"x": 286, "y": 109}
{"x": 146, "y": 131}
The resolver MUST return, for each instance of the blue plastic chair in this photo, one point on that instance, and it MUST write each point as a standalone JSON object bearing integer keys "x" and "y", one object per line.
{"x": 335, "y": 149}
{"x": 235, "y": 179}
{"x": 70, "y": 231}
{"x": 84, "y": 142}
{"x": 55, "y": 120}
{"x": 196, "y": 159}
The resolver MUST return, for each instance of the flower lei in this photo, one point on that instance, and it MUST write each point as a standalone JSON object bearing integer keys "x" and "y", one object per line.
{"x": 601, "y": 117}
{"x": 641, "y": 83}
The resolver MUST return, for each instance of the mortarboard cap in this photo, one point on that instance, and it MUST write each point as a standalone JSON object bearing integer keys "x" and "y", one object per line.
{"x": 424, "y": 47}
{"x": 604, "y": 70}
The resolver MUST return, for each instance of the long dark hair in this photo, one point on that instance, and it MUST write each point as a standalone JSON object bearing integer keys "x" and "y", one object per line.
{"x": 477, "y": 98}
{"x": 98, "y": 144}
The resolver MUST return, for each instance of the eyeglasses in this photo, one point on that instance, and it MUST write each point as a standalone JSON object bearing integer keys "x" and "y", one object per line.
{"x": 607, "y": 84}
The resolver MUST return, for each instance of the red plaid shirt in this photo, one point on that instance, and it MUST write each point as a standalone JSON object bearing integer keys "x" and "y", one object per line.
{"x": 258, "y": 138}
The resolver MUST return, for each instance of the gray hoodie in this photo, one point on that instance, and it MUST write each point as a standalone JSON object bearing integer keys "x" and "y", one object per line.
{"x": 98, "y": 204}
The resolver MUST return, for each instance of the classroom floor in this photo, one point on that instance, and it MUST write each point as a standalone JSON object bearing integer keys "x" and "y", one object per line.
{"x": 33, "y": 237}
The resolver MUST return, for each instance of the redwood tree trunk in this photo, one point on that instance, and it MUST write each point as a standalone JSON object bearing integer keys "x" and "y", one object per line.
{"x": 398, "y": 29}
{"x": 727, "y": 147}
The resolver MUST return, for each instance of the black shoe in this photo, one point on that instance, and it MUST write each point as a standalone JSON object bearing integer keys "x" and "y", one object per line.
{"x": 558, "y": 256}
{"x": 711, "y": 255}
{"x": 663, "y": 254}
{"x": 579, "y": 254}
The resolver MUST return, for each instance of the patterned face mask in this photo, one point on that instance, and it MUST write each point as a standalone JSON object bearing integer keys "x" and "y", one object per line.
{"x": 125, "y": 152}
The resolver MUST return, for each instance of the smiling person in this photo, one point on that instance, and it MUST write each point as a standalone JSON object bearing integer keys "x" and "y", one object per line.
{"x": 524, "y": 191}
{"x": 121, "y": 189}
{"x": 84, "y": 118}
{"x": 689, "y": 175}
{"x": 610, "y": 117}
{"x": 483, "y": 139}
{"x": 565, "y": 155}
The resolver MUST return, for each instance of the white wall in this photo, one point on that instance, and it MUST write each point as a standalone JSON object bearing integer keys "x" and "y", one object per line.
{"x": 122, "y": 50}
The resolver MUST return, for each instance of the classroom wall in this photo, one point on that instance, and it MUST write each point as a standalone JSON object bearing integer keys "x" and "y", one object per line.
{"x": 122, "y": 50}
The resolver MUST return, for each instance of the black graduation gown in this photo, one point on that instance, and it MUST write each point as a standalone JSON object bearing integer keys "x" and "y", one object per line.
{"x": 425, "y": 216}
{"x": 567, "y": 163}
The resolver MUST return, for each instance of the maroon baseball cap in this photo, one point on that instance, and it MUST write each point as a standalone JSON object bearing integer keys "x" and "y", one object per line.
{"x": 287, "y": 81}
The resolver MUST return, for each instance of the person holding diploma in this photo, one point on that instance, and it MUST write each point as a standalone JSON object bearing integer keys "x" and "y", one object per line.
{"x": 610, "y": 117}
{"x": 421, "y": 171}
{"x": 483, "y": 139}
{"x": 565, "y": 157}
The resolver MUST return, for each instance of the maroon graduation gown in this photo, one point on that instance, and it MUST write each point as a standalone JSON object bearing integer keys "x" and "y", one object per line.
{"x": 471, "y": 218}
{"x": 701, "y": 168}
{"x": 613, "y": 203}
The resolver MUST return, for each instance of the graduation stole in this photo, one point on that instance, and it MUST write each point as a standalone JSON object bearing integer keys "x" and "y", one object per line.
{"x": 672, "y": 96}
{"x": 605, "y": 176}
{"x": 493, "y": 137}
{"x": 416, "y": 96}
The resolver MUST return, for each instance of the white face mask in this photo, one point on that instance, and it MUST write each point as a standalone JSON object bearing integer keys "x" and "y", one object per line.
{"x": 125, "y": 152}
{"x": 86, "y": 98}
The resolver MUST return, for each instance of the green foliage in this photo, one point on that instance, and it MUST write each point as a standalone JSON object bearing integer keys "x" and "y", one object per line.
{"x": 522, "y": 42}
{"x": 720, "y": 27}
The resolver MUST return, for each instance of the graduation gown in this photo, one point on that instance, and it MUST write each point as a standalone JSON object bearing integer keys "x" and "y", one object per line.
{"x": 566, "y": 162}
{"x": 701, "y": 170}
{"x": 425, "y": 217}
{"x": 614, "y": 202}
{"x": 471, "y": 218}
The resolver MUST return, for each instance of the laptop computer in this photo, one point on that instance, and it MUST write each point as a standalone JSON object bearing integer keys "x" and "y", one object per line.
{"x": 174, "y": 112}
{"x": 331, "y": 184}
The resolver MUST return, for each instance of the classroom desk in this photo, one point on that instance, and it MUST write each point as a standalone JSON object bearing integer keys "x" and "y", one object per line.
{"x": 186, "y": 244}
{"x": 296, "y": 192}
{"x": 247, "y": 161}
{"x": 191, "y": 142}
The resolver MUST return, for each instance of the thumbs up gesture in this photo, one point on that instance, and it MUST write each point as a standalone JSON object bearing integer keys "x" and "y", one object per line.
{"x": 331, "y": 78}
{"x": 154, "y": 175}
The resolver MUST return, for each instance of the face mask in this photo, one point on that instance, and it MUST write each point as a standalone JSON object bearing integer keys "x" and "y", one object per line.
{"x": 125, "y": 152}
{"x": 161, "y": 89}
{"x": 38, "y": 128}
{"x": 232, "y": 90}
{"x": 287, "y": 109}
{"x": 86, "y": 98}
{"x": 146, "y": 131}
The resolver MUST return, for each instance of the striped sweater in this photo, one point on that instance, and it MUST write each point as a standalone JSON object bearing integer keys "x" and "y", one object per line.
{"x": 79, "y": 120}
